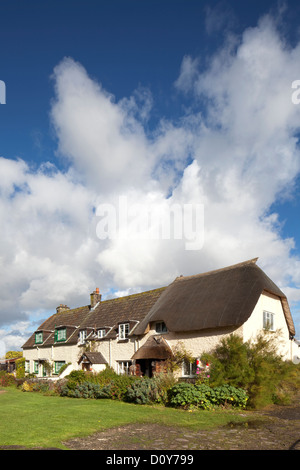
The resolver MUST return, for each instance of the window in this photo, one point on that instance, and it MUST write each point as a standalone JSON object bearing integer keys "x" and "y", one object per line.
{"x": 123, "y": 330}
{"x": 39, "y": 337}
{"x": 101, "y": 333}
{"x": 123, "y": 367}
{"x": 82, "y": 336}
{"x": 160, "y": 327}
{"x": 58, "y": 365}
{"x": 27, "y": 366}
{"x": 60, "y": 334}
{"x": 268, "y": 321}
{"x": 189, "y": 368}
{"x": 35, "y": 367}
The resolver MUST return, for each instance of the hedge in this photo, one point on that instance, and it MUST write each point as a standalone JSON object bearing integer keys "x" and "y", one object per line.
{"x": 186, "y": 395}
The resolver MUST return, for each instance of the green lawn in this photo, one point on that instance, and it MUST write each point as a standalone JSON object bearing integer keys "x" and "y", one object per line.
{"x": 34, "y": 420}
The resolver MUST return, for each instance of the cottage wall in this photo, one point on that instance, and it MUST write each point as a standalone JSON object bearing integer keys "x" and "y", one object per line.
{"x": 115, "y": 351}
{"x": 62, "y": 353}
{"x": 272, "y": 304}
{"x": 196, "y": 342}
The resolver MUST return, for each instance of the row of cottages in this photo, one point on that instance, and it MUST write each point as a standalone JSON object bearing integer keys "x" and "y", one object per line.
{"x": 137, "y": 333}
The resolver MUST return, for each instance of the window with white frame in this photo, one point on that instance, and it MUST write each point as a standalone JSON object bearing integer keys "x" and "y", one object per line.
{"x": 123, "y": 330}
{"x": 82, "y": 336}
{"x": 123, "y": 367}
{"x": 101, "y": 333}
{"x": 268, "y": 321}
{"x": 189, "y": 368}
{"x": 27, "y": 366}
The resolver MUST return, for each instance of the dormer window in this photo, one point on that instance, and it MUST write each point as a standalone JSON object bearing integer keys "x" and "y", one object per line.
{"x": 38, "y": 337}
{"x": 60, "y": 335}
{"x": 82, "y": 336}
{"x": 101, "y": 333}
{"x": 160, "y": 327}
{"x": 123, "y": 331}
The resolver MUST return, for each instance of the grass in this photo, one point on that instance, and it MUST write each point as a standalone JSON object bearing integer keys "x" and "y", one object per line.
{"x": 31, "y": 419}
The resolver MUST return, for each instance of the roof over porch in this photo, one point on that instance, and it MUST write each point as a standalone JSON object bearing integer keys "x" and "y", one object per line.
{"x": 155, "y": 348}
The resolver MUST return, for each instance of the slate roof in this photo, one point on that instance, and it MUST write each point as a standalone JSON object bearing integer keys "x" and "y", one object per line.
{"x": 93, "y": 358}
{"x": 107, "y": 315}
{"x": 132, "y": 309}
{"x": 70, "y": 319}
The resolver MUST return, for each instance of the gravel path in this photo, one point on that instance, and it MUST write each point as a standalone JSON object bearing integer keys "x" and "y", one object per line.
{"x": 275, "y": 428}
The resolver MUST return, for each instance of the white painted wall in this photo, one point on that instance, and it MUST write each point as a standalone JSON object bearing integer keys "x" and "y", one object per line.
{"x": 66, "y": 353}
{"x": 270, "y": 303}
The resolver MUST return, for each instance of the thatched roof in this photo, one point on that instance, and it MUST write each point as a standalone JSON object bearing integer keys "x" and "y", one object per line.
{"x": 155, "y": 348}
{"x": 221, "y": 298}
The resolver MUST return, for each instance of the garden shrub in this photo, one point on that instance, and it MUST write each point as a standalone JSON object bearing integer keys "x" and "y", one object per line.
{"x": 92, "y": 387}
{"x": 253, "y": 366}
{"x": 6, "y": 379}
{"x": 105, "y": 392}
{"x": 20, "y": 367}
{"x": 77, "y": 376}
{"x": 37, "y": 385}
{"x": 106, "y": 376}
{"x": 289, "y": 385}
{"x": 207, "y": 396}
{"x": 186, "y": 395}
{"x": 120, "y": 384}
{"x": 163, "y": 382}
{"x": 226, "y": 394}
{"x": 26, "y": 387}
{"x": 150, "y": 390}
{"x": 40, "y": 386}
{"x": 141, "y": 392}
{"x": 81, "y": 390}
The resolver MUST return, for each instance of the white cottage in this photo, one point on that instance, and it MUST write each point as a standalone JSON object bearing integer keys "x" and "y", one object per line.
{"x": 137, "y": 333}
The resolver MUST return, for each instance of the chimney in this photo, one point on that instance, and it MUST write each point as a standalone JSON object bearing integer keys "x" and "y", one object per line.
{"x": 62, "y": 308}
{"x": 95, "y": 297}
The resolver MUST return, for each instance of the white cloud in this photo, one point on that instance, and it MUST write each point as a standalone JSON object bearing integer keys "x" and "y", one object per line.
{"x": 102, "y": 139}
{"x": 242, "y": 134}
{"x": 235, "y": 152}
{"x": 188, "y": 73}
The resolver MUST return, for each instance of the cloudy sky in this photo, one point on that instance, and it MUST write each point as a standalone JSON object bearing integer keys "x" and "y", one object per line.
{"x": 153, "y": 104}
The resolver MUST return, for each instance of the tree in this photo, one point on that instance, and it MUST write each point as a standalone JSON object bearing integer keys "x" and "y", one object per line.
{"x": 254, "y": 365}
{"x": 12, "y": 354}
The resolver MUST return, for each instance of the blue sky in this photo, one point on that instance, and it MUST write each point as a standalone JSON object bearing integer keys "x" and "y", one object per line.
{"x": 156, "y": 101}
